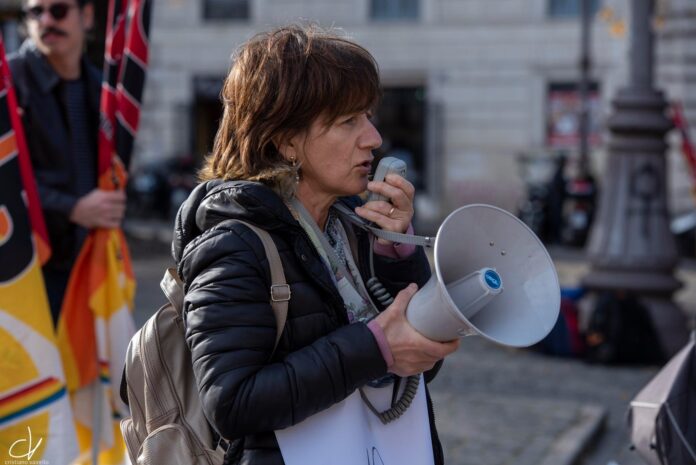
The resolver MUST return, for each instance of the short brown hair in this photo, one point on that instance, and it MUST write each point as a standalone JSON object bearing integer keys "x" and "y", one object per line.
{"x": 279, "y": 83}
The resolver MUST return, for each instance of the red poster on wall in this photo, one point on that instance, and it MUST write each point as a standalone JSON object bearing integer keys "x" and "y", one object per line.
{"x": 563, "y": 116}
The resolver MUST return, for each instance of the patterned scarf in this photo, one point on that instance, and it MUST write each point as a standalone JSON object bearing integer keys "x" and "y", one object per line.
{"x": 340, "y": 262}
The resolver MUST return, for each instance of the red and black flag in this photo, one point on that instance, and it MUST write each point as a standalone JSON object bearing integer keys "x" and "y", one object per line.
{"x": 125, "y": 66}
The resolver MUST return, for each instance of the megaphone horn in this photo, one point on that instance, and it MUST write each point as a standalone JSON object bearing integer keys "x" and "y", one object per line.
{"x": 493, "y": 277}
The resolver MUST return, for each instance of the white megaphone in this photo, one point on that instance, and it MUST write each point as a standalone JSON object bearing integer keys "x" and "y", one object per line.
{"x": 493, "y": 277}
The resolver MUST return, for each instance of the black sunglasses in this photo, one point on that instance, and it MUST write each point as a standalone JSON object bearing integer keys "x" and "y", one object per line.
{"x": 57, "y": 10}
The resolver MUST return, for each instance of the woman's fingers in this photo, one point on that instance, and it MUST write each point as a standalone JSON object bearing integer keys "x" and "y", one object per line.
{"x": 382, "y": 207}
{"x": 398, "y": 221}
{"x": 395, "y": 215}
{"x": 413, "y": 353}
{"x": 404, "y": 297}
{"x": 440, "y": 350}
{"x": 398, "y": 190}
{"x": 403, "y": 184}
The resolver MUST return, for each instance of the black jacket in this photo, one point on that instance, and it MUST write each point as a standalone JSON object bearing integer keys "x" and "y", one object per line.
{"x": 40, "y": 96}
{"x": 230, "y": 326}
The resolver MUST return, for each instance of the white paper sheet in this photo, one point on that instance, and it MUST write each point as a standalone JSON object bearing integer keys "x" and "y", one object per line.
{"x": 350, "y": 434}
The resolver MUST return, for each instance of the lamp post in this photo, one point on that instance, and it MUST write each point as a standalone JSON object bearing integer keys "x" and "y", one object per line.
{"x": 631, "y": 247}
{"x": 584, "y": 88}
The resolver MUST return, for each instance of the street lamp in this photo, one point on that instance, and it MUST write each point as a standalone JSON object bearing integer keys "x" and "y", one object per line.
{"x": 631, "y": 247}
{"x": 584, "y": 87}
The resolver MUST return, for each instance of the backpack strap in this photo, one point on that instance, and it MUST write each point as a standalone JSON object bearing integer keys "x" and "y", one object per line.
{"x": 280, "y": 289}
{"x": 173, "y": 287}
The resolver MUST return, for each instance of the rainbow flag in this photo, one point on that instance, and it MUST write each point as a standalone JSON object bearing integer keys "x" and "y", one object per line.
{"x": 36, "y": 421}
{"x": 96, "y": 321}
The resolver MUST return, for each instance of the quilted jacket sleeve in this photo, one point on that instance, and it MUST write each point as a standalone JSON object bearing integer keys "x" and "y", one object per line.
{"x": 230, "y": 329}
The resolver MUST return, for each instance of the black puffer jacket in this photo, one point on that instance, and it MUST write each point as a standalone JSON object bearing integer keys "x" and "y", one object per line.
{"x": 230, "y": 326}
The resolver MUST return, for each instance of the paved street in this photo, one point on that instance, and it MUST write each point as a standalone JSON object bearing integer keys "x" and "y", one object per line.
{"x": 499, "y": 406}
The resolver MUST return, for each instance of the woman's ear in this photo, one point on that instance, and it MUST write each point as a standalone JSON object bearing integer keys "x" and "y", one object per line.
{"x": 287, "y": 151}
{"x": 286, "y": 148}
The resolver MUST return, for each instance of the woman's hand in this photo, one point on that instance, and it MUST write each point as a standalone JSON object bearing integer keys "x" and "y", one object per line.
{"x": 395, "y": 216}
{"x": 413, "y": 353}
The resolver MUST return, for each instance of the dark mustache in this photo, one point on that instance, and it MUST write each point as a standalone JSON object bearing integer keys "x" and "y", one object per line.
{"x": 53, "y": 30}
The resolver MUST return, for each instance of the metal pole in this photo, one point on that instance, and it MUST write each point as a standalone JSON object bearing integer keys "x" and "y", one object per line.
{"x": 631, "y": 247}
{"x": 642, "y": 46}
{"x": 583, "y": 88}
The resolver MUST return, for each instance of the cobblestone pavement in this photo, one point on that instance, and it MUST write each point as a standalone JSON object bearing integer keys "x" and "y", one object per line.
{"x": 500, "y": 406}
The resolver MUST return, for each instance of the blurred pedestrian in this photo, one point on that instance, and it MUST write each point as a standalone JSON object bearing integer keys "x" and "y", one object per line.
{"x": 295, "y": 141}
{"x": 58, "y": 92}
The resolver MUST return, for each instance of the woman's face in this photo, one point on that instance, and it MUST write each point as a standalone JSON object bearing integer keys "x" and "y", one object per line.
{"x": 337, "y": 159}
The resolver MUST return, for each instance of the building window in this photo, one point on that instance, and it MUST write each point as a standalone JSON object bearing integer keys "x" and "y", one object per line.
{"x": 400, "y": 119}
{"x": 226, "y": 9}
{"x": 570, "y": 8}
{"x": 395, "y": 10}
{"x": 563, "y": 115}
{"x": 207, "y": 112}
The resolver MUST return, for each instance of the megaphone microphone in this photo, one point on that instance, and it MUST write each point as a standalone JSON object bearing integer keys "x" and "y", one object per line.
{"x": 493, "y": 278}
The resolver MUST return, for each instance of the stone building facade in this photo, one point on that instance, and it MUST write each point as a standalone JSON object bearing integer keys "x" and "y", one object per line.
{"x": 479, "y": 74}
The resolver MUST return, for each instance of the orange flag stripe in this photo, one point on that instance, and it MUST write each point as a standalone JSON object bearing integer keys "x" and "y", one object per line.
{"x": 8, "y": 146}
{"x": 76, "y": 326}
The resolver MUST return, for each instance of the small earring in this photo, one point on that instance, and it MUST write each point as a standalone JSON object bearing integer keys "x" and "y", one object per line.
{"x": 293, "y": 160}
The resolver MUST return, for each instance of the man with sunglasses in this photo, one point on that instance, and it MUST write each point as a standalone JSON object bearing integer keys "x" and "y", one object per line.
{"x": 58, "y": 92}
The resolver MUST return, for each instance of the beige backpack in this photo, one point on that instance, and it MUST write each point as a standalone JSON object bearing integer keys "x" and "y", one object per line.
{"x": 167, "y": 425}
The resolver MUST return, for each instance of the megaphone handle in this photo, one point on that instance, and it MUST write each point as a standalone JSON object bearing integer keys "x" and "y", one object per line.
{"x": 423, "y": 241}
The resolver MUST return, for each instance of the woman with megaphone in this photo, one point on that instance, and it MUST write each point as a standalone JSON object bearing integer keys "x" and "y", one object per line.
{"x": 295, "y": 142}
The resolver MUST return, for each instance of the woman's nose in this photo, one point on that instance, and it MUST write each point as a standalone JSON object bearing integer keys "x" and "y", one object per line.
{"x": 371, "y": 139}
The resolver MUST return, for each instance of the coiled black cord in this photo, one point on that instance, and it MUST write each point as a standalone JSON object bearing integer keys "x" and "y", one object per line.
{"x": 379, "y": 292}
{"x": 398, "y": 407}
